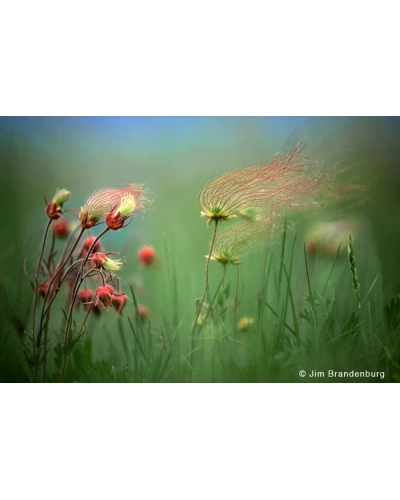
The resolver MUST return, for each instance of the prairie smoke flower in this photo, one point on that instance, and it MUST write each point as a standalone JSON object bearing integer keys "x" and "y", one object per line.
{"x": 263, "y": 189}
{"x": 54, "y": 207}
{"x": 86, "y": 296}
{"x": 104, "y": 294}
{"x": 115, "y": 219}
{"x": 230, "y": 243}
{"x": 130, "y": 198}
{"x": 118, "y": 301}
{"x": 101, "y": 260}
{"x": 108, "y": 296}
{"x": 147, "y": 256}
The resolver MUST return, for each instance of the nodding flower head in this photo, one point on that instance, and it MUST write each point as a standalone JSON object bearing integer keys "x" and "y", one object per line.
{"x": 110, "y": 297}
{"x": 116, "y": 218}
{"x": 118, "y": 301}
{"x": 101, "y": 260}
{"x": 85, "y": 296}
{"x": 54, "y": 207}
{"x": 117, "y": 203}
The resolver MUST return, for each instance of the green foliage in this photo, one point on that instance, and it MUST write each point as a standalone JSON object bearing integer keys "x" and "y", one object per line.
{"x": 303, "y": 317}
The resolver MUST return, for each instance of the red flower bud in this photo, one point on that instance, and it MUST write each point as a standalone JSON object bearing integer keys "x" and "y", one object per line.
{"x": 98, "y": 259}
{"x": 147, "y": 256}
{"x": 110, "y": 298}
{"x": 143, "y": 312}
{"x": 54, "y": 207}
{"x": 104, "y": 294}
{"x": 118, "y": 302}
{"x": 115, "y": 220}
{"x": 86, "y": 296}
{"x": 61, "y": 228}
{"x": 53, "y": 211}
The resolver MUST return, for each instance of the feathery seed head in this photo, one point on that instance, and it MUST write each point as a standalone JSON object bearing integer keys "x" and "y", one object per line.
{"x": 127, "y": 205}
{"x": 109, "y": 202}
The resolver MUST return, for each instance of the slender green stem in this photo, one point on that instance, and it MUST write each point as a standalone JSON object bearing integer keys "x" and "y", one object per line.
{"x": 73, "y": 299}
{"x": 261, "y": 298}
{"x": 84, "y": 321}
{"x": 236, "y": 303}
{"x": 282, "y": 259}
{"x": 74, "y": 290}
{"x": 50, "y": 258}
{"x": 45, "y": 311}
{"x": 37, "y": 279}
{"x": 45, "y": 348}
{"x": 59, "y": 268}
{"x": 78, "y": 281}
{"x": 206, "y": 288}
{"x": 64, "y": 366}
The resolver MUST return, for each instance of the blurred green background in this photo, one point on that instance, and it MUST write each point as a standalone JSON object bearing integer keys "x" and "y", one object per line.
{"x": 174, "y": 157}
